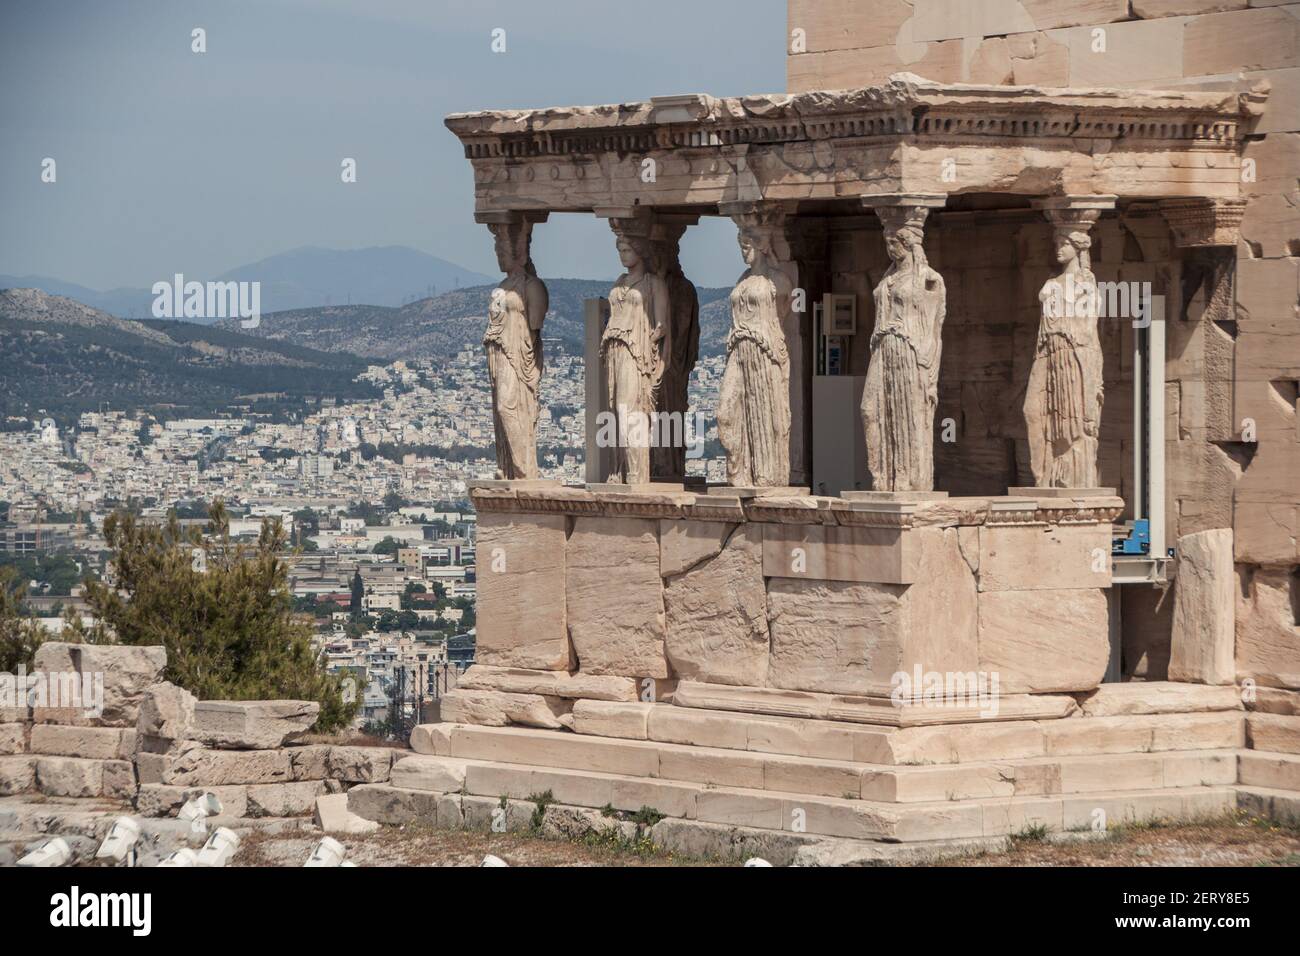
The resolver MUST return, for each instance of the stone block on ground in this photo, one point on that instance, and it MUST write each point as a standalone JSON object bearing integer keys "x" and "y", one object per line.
{"x": 91, "y": 743}
{"x": 360, "y": 764}
{"x": 17, "y": 775}
{"x": 419, "y": 772}
{"x": 252, "y": 724}
{"x": 284, "y": 799}
{"x": 333, "y": 816}
{"x": 393, "y": 806}
{"x": 1280, "y": 806}
{"x": 1203, "y": 640}
{"x": 13, "y": 738}
{"x": 166, "y": 712}
{"x": 127, "y": 672}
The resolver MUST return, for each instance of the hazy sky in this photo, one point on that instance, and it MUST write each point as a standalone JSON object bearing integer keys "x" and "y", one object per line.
{"x": 171, "y": 161}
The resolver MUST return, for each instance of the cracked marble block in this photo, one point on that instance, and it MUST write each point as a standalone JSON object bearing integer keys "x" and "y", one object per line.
{"x": 853, "y": 637}
{"x": 521, "y": 591}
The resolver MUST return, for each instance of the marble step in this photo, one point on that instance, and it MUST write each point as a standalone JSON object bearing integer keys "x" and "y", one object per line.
{"x": 833, "y": 816}
{"x": 1275, "y": 771}
{"x": 707, "y": 766}
{"x": 957, "y": 743}
{"x": 1277, "y": 733}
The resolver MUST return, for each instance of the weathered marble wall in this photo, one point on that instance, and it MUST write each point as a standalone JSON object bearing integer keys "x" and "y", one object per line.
{"x": 1234, "y": 349}
{"x": 802, "y": 594}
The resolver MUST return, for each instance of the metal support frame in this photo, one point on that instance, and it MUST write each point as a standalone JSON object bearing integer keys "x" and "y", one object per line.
{"x": 1148, "y": 497}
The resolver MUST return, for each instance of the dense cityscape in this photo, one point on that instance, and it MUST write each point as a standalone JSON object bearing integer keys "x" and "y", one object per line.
{"x": 372, "y": 494}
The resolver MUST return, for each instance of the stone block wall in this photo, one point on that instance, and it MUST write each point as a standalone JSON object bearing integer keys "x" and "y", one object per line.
{"x": 807, "y": 594}
{"x": 155, "y": 746}
{"x": 1234, "y": 330}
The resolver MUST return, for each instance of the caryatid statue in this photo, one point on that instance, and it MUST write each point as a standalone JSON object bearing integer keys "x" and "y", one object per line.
{"x": 513, "y": 343}
{"x": 1064, "y": 397}
{"x": 754, "y": 401}
{"x": 635, "y": 346}
{"x": 682, "y": 348}
{"x": 902, "y": 387}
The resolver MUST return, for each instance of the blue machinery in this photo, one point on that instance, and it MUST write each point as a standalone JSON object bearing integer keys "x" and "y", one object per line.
{"x": 1131, "y": 538}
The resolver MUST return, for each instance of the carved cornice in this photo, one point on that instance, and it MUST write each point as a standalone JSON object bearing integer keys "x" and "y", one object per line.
{"x": 904, "y": 106}
{"x": 801, "y": 509}
{"x": 1204, "y": 222}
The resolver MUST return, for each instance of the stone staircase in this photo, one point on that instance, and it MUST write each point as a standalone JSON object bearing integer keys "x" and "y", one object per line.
{"x": 956, "y": 784}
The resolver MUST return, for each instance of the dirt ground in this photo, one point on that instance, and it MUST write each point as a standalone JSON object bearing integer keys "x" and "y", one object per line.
{"x": 1240, "y": 840}
{"x": 425, "y": 846}
{"x": 1236, "y": 841}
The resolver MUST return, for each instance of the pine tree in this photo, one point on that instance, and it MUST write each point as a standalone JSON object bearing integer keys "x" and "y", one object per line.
{"x": 222, "y": 609}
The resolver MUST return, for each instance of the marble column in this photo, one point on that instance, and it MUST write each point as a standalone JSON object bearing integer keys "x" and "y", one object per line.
{"x": 902, "y": 387}
{"x": 513, "y": 343}
{"x": 1063, "y": 399}
{"x": 668, "y": 457}
{"x": 768, "y": 226}
{"x": 636, "y": 345}
{"x": 754, "y": 403}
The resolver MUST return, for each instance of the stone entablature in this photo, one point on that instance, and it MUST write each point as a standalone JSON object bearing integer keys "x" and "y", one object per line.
{"x": 839, "y": 144}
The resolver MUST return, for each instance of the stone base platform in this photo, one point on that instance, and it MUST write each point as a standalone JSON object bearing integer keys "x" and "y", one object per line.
{"x": 1125, "y": 753}
{"x": 794, "y": 592}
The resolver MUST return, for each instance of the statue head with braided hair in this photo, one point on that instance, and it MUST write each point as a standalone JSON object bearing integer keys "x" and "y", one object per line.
{"x": 904, "y": 228}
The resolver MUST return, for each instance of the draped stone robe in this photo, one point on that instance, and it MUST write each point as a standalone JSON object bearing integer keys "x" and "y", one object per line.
{"x": 1064, "y": 398}
{"x": 754, "y": 402}
{"x": 634, "y": 372}
{"x": 514, "y": 357}
{"x": 902, "y": 387}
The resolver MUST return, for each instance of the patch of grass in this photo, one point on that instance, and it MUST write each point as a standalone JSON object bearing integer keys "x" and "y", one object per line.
{"x": 540, "y": 802}
{"x": 612, "y": 840}
{"x": 647, "y": 817}
{"x": 1035, "y": 833}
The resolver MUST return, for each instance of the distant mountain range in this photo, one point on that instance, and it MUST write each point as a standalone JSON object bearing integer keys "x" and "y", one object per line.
{"x": 442, "y": 325}
{"x": 59, "y": 357}
{"x": 298, "y": 279}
